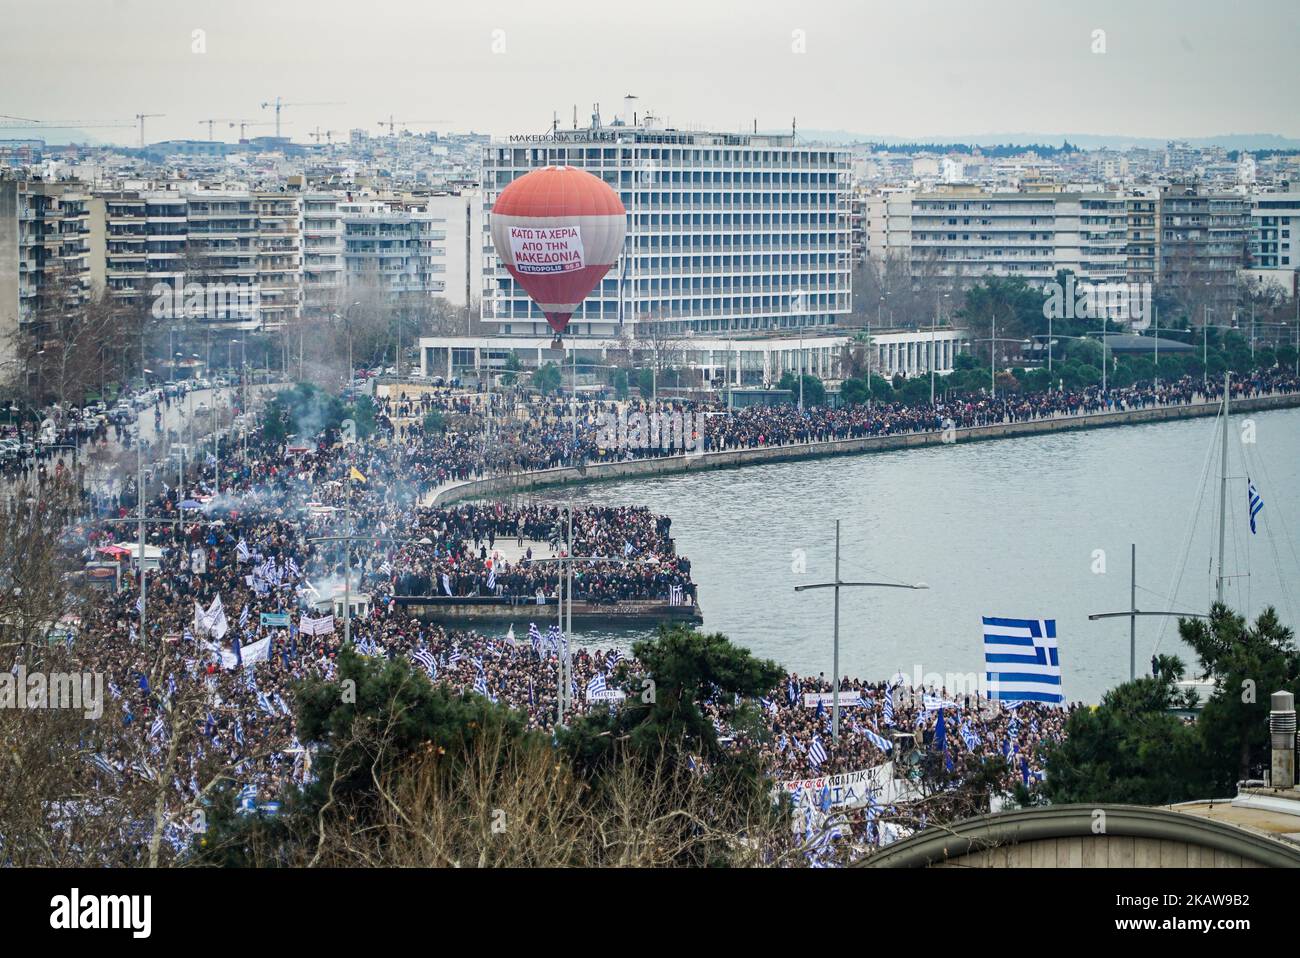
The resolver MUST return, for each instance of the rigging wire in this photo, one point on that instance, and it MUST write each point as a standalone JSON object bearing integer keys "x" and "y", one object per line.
{"x": 1177, "y": 580}
{"x": 1256, "y": 466}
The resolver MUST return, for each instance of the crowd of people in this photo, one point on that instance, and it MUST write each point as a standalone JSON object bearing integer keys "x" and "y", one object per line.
{"x": 246, "y": 574}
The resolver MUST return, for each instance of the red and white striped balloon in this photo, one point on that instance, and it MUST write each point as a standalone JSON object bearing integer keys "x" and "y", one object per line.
{"x": 558, "y": 230}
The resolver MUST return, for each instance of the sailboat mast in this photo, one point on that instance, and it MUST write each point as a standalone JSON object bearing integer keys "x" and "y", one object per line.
{"x": 1223, "y": 483}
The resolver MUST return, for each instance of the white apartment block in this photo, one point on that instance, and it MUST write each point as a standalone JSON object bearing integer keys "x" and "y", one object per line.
{"x": 962, "y": 236}
{"x": 1275, "y": 231}
{"x": 463, "y": 214}
{"x": 726, "y": 232}
{"x": 323, "y": 275}
{"x": 279, "y": 256}
{"x": 397, "y": 252}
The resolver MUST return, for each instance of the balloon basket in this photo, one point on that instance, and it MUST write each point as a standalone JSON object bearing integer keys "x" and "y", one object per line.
{"x": 557, "y": 343}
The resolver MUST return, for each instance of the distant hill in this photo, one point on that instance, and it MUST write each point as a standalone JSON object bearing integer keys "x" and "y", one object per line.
{"x": 1087, "y": 141}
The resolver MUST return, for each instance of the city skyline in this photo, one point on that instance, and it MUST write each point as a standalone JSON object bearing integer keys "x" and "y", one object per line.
{"x": 937, "y": 69}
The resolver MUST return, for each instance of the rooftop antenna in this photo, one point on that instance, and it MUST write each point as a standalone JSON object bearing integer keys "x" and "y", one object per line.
{"x": 755, "y": 126}
{"x": 555, "y": 122}
{"x": 575, "y": 116}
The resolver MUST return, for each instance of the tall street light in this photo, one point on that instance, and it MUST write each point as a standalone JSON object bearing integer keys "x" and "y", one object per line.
{"x": 837, "y": 585}
{"x": 933, "y": 326}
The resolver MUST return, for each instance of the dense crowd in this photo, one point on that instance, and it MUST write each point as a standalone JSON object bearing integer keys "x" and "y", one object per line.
{"x": 244, "y": 570}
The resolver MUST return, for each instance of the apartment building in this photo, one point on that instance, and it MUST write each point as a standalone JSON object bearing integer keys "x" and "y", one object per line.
{"x": 1202, "y": 242}
{"x": 1180, "y": 236}
{"x": 222, "y": 255}
{"x": 322, "y": 253}
{"x": 396, "y": 251}
{"x": 138, "y": 240}
{"x": 726, "y": 232}
{"x": 44, "y": 251}
{"x": 279, "y": 256}
{"x": 1142, "y": 235}
{"x": 1274, "y": 240}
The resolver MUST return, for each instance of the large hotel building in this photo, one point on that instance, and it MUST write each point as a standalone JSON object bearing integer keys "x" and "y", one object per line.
{"x": 727, "y": 233}
{"x": 738, "y": 251}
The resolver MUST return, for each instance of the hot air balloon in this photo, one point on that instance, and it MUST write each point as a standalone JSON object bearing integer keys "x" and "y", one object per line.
{"x": 558, "y": 230}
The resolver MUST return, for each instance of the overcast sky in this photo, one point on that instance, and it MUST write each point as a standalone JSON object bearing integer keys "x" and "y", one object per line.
{"x": 911, "y": 68}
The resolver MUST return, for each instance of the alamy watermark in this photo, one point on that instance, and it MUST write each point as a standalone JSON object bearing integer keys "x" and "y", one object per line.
{"x": 206, "y": 301}
{"x": 665, "y": 431}
{"x": 83, "y": 691}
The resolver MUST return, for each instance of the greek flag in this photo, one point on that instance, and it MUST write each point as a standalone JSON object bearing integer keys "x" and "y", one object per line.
{"x": 968, "y": 736}
{"x": 139, "y": 603}
{"x": 675, "y": 595}
{"x": 879, "y": 741}
{"x": 454, "y": 659}
{"x": 242, "y": 552}
{"x": 264, "y": 703}
{"x": 243, "y": 617}
{"x": 292, "y": 567}
{"x": 535, "y": 637}
{"x": 1021, "y": 660}
{"x": 492, "y": 580}
{"x": 423, "y": 657}
{"x": 1256, "y": 503}
{"x": 596, "y": 686}
{"x": 103, "y": 764}
{"x": 480, "y": 685}
{"x": 887, "y": 707}
{"x": 555, "y": 639}
{"x": 816, "y": 752}
{"x": 158, "y": 728}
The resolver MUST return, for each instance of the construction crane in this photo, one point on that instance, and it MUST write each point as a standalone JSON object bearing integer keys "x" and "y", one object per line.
{"x": 279, "y": 105}
{"x": 392, "y": 124}
{"x": 243, "y": 124}
{"x": 232, "y": 120}
{"x": 142, "y": 117}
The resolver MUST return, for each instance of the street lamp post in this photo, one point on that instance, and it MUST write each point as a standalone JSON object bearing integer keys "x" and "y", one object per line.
{"x": 838, "y": 584}
{"x": 933, "y": 330}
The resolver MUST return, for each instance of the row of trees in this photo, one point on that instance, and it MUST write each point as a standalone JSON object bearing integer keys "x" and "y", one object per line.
{"x": 1139, "y": 746}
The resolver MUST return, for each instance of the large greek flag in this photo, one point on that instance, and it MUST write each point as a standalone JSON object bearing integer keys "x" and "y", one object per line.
{"x": 1021, "y": 660}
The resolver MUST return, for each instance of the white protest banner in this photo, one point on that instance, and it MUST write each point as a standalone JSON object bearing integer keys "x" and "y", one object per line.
{"x": 847, "y": 698}
{"x": 248, "y": 654}
{"x": 609, "y": 695}
{"x": 846, "y": 790}
{"x": 547, "y": 249}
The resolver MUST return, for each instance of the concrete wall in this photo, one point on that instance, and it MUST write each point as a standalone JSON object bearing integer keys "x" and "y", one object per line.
{"x": 730, "y": 459}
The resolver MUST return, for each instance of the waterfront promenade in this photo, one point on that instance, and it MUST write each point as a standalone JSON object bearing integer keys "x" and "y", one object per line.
{"x": 523, "y": 482}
